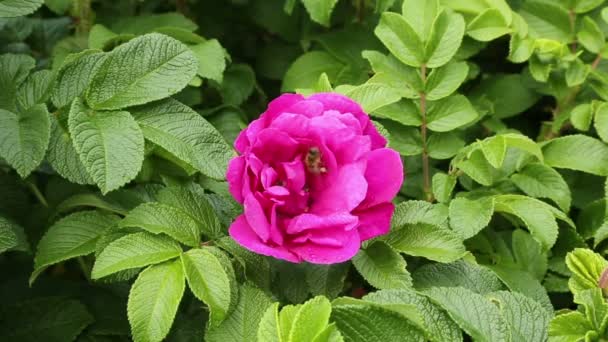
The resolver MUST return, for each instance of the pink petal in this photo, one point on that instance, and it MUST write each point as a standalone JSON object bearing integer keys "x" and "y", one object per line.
{"x": 308, "y": 108}
{"x": 344, "y": 193}
{"x": 273, "y": 145}
{"x": 295, "y": 125}
{"x": 384, "y": 175}
{"x": 256, "y": 217}
{"x": 304, "y": 222}
{"x": 375, "y": 221}
{"x": 329, "y": 254}
{"x": 278, "y": 106}
{"x": 235, "y": 176}
{"x": 242, "y": 233}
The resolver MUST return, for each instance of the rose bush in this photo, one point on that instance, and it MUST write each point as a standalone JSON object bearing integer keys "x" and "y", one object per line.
{"x": 315, "y": 178}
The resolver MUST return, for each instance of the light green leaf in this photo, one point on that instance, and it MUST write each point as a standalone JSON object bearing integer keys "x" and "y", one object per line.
{"x": 436, "y": 322}
{"x": 194, "y": 203}
{"x": 527, "y": 320}
{"x": 109, "y": 144}
{"x": 586, "y": 267}
{"x": 160, "y": 218}
{"x": 382, "y": 267}
{"x": 601, "y": 121}
{"x": 475, "y": 314}
{"x": 362, "y": 323}
{"x": 457, "y": 274}
{"x": 400, "y": 39}
{"x": 404, "y": 112}
{"x": 581, "y": 116}
{"x": 209, "y": 281}
{"x": 450, "y": 113}
{"x": 72, "y": 236}
{"x": 320, "y": 10}
{"x": 524, "y": 283}
{"x": 268, "y": 330}
{"x": 24, "y": 138}
{"x": 444, "y": 145}
{"x": 495, "y": 150}
{"x": 444, "y": 81}
{"x": 310, "y": 320}
{"x": 582, "y": 6}
{"x": 569, "y": 327}
{"x": 591, "y": 36}
{"x": 17, "y": 8}
{"x": 594, "y": 306}
{"x": 75, "y": 75}
{"x": 405, "y": 140}
{"x": 535, "y": 215}
{"x": 12, "y": 236}
{"x": 488, "y": 25}
{"x": 546, "y": 20}
{"x": 211, "y": 59}
{"x": 523, "y": 143}
{"x": 539, "y": 180}
{"x": 577, "y": 152}
{"x": 305, "y": 71}
{"x": 410, "y": 212}
{"x": 372, "y": 96}
{"x": 132, "y": 251}
{"x": 478, "y": 168}
{"x": 528, "y": 254}
{"x": 421, "y": 14}
{"x": 469, "y": 217}
{"x": 242, "y": 323}
{"x": 125, "y": 80}
{"x": 99, "y": 36}
{"x": 445, "y": 39}
{"x": 427, "y": 240}
{"x": 390, "y": 71}
{"x": 443, "y": 185}
{"x": 154, "y": 299}
{"x": 63, "y": 157}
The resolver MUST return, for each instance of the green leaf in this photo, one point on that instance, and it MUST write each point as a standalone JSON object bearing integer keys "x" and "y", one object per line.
{"x": 366, "y": 322}
{"x": 541, "y": 181}
{"x": 450, "y": 113}
{"x": 527, "y": 320}
{"x": 109, "y": 144}
{"x": 546, "y": 20}
{"x": 523, "y": 143}
{"x": 478, "y": 168}
{"x": 62, "y": 155}
{"x": 594, "y": 305}
{"x": 488, "y": 25}
{"x": 24, "y": 138}
{"x": 194, "y": 203}
{"x": 445, "y": 39}
{"x": 495, "y": 150}
{"x": 420, "y": 15}
{"x": 326, "y": 280}
{"x": 406, "y": 140}
{"x": 187, "y": 135}
{"x": 99, "y": 36}
{"x": 211, "y": 59}
{"x": 570, "y": 326}
{"x": 475, "y": 314}
{"x": 154, "y": 299}
{"x": 469, "y": 217}
{"x": 524, "y": 283}
{"x": 257, "y": 267}
{"x": 52, "y": 319}
{"x": 372, "y": 96}
{"x": 58, "y": 6}
{"x": 528, "y": 254}
{"x": 320, "y": 10}
{"x": 269, "y": 325}
{"x": 382, "y": 267}
{"x": 581, "y": 116}
{"x": 160, "y": 218}
{"x": 577, "y": 152}
{"x": 242, "y": 324}
{"x": 238, "y": 84}
{"x": 457, "y": 274}
{"x": 586, "y": 267}
{"x": 444, "y": 145}
{"x": 142, "y": 24}
{"x": 12, "y": 236}
{"x": 436, "y": 322}
{"x": 75, "y": 75}
{"x": 427, "y": 240}
{"x": 410, "y": 212}
{"x": 209, "y": 281}
{"x": 508, "y": 92}
{"x": 35, "y": 90}
{"x": 14, "y": 69}
{"x": 305, "y": 71}
{"x": 125, "y": 78}
{"x": 582, "y": 6}
{"x": 535, "y": 214}
{"x": 404, "y": 112}
{"x": 443, "y": 185}
{"x": 591, "y": 36}
{"x": 132, "y": 251}
{"x": 17, "y": 8}
{"x": 390, "y": 71}
{"x": 72, "y": 236}
{"x": 601, "y": 121}
{"x": 400, "y": 39}
{"x": 310, "y": 320}
{"x": 444, "y": 81}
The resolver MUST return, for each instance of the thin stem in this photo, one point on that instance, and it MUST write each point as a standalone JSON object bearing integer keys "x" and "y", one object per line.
{"x": 428, "y": 194}
{"x": 84, "y": 16}
{"x": 38, "y": 194}
{"x": 84, "y": 267}
{"x": 572, "y": 17}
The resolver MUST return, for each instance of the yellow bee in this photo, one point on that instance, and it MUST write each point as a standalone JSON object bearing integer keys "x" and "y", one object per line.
{"x": 314, "y": 164}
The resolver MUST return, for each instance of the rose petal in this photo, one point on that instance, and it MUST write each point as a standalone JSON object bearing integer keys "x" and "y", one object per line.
{"x": 273, "y": 145}
{"x": 384, "y": 176}
{"x": 343, "y": 220}
{"x": 256, "y": 217}
{"x": 344, "y": 193}
{"x": 242, "y": 233}
{"x": 323, "y": 254}
{"x": 235, "y": 176}
{"x": 375, "y": 221}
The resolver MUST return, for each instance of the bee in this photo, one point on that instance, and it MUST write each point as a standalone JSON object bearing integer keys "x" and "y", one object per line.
{"x": 314, "y": 164}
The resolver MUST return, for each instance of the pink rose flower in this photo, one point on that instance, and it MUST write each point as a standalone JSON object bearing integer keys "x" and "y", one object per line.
{"x": 315, "y": 178}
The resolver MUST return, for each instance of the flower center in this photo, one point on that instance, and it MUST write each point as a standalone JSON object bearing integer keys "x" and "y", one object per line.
{"x": 313, "y": 161}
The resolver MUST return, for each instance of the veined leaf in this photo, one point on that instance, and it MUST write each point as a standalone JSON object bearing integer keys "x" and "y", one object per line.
{"x": 17, "y": 8}
{"x": 154, "y": 299}
{"x": 14, "y": 69}
{"x": 445, "y": 39}
{"x": 469, "y": 217}
{"x": 125, "y": 80}
{"x": 211, "y": 59}
{"x": 450, "y": 113}
{"x": 577, "y": 152}
{"x": 527, "y": 319}
{"x": 326, "y": 280}
{"x": 75, "y": 75}
{"x": 310, "y": 320}
{"x": 382, "y": 267}
{"x": 427, "y": 240}
{"x": 400, "y": 39}
{"x": 132, "y": 251}
{"x": 63, "y": 157}
{"x": 539, "y": 180}
{"x": 457, "y": 274}
{"x": 12, "y": 236}
{"x": 320, "y": 10}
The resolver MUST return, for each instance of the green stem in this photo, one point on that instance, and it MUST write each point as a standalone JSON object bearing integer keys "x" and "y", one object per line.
{"x": 426, "y": 176}
{"x": 38, "y": 194}
{"x": 84, "y": 16}
{"x": 84, "y": 267}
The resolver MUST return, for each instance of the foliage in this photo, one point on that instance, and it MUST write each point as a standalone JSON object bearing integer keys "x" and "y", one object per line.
{"x": 116, "y": 125}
